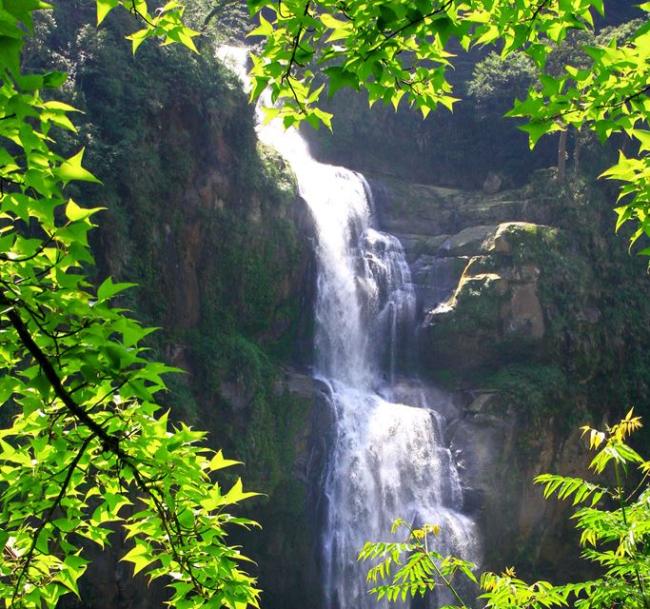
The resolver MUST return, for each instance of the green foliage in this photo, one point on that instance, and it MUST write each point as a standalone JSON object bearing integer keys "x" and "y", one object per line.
{"x": 537, "y": 390}
{"x": 164, "y": 23}
{"x": 194, "y": 212}
{"x": 614, "y": 525}
{"x": 400, "y": 51}
{"x": 412, "y": 567}
{"x": 90, "y": 447}
{"x": 370, "y": 39}
{"x": 506, "y": 78}
{"x": 499, "y": 80}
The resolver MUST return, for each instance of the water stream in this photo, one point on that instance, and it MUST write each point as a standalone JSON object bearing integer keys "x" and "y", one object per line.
{"x": 389, "y": 458}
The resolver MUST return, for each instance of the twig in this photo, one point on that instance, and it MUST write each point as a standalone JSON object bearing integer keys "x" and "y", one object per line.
{"x": 406, "y": 26}
{"x": 137, "y": 13}
{"x": 109, "y": 442}
{"x": 534, "y": 16}
{"x": 621, "y": 498}
{"x": 6, "y": 258}
{"x": 48, "y": 516}
{"x": 286, "y": 77}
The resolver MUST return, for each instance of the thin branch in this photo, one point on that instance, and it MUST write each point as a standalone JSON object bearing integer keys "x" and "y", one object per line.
{"x": 50, "y": 512}
{"x": 296, "y": 43}
{"x": 137, "y": 13}
{"x": 406, "y": 26}
{"x": 539, "y": 8}
{"x": 534, "y": 16}
{"x": 447, "y": 582}
{"x": 419, "y": 20}
{"x": 286, "y": 77}
{"x": 613, "y": 106}
{"x": 109, "y": 442}
{"x": 621, "y": 498}
{"x": 6, "y": 258}
{"x": 280, "y": 11}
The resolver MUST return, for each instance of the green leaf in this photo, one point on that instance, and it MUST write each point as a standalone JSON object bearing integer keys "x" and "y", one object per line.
{"x": 536, "y": 130}
{"x": 53, "y": 80}
{"x": 104, "y": 7}
{"x": 140, "y": 556}
{"x": 74, "y": 213}
{"x": 237, "y": 494}
{"x": 137, "y": 38}
{"x": 340, "y": 78}
{"x": 71, "y": 169}
{"x": 108, "y": 289}
{"x": 220, "y": 462}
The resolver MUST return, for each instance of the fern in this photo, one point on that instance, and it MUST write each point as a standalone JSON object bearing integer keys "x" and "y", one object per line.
{"x": 614, "y": 526}
{"x": 565, "y": 487}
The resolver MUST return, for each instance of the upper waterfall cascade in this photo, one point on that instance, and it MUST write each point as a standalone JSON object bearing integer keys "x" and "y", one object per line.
{"x": 389, "y": 458}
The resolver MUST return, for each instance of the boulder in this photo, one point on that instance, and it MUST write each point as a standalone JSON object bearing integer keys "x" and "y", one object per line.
{"x": 495, "y": 314}
{"x": 470, "y": 241}
{"x": 523, "y": 315}
{"x": 493, "y": 183}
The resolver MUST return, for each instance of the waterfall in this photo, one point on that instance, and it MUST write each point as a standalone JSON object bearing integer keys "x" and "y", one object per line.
{"x": 390, "y": 458}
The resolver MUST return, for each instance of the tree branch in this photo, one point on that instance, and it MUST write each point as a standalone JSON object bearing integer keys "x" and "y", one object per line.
{"x": 50, "y": 512}
{"x": 109, "y": 443}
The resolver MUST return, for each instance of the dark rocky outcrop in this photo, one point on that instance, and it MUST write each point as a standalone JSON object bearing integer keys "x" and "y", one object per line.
{"x": 531, "y": 313}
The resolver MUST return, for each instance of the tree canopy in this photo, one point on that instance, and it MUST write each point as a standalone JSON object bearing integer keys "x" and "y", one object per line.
{"x": 401, "y": 51}
{"x": 86, "y": 446}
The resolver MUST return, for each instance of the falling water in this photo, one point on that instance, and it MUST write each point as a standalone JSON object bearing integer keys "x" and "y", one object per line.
{"x": 389, "y": 459}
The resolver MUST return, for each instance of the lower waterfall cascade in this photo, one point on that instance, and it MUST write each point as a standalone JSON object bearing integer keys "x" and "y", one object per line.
{"x": 389, "y": 457}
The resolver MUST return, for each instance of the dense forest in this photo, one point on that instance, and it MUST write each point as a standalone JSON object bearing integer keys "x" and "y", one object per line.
{"x": 385, "y": 260}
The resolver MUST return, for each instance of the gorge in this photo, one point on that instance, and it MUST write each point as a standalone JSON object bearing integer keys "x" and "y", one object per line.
{"x": 389, "y": 457}
{"x": 249, "y": 259}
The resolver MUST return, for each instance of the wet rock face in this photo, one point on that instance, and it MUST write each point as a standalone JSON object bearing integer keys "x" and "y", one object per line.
{"x": 460, "y": 248}
{"x": 523, "y": 315}
{"x": 430, "y": 211}
{"x": 288, "y": 562}
{"x": 210, "y": 227}
{"x": 493, "y": 183}
{"x": 495, "y": 303}
{"x": 499, "y": 461}
{"x": 469, "y": 241}
{"x": 435, "y": 279}
{"x": 511, "y": 313}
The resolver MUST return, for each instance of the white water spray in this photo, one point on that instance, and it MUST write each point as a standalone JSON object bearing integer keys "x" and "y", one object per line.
{"x": 389, "y": 459}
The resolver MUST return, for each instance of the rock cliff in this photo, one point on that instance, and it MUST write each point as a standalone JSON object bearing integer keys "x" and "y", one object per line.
{"x": 208, "y": 224}
{"x": 531, "y": 311}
